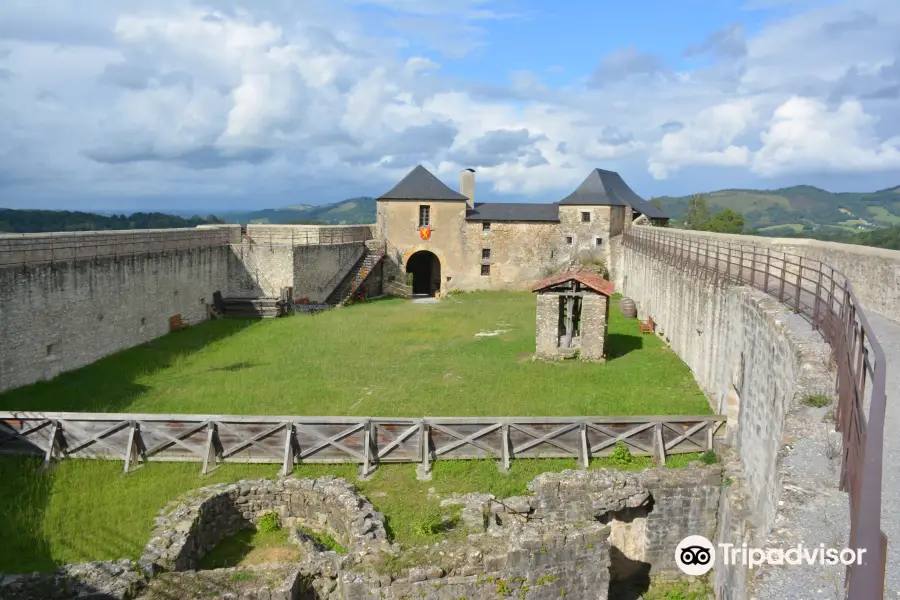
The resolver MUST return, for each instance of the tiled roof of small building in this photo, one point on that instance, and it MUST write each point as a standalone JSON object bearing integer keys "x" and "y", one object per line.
{"x": 514, "y": 211}
{"x": 582, "y": 276}
{"x": 420, "y": 184}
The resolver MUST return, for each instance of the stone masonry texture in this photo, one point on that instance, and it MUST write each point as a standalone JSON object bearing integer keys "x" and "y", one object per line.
{"x": 578, "y": 532}
{"x": 754, "y": 369}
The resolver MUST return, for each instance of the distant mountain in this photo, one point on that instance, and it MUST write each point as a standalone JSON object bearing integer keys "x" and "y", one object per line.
{"x": 800, "y": 208}
{"x": 352, "y": 211}
{"x": 42, "y": 221}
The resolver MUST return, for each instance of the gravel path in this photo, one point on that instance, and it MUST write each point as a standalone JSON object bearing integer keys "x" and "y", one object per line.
{"x": 812, "y": 510}
{"x": 888, "y": 334}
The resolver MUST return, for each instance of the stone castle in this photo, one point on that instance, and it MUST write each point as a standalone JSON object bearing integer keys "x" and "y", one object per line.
{"x": 447, "y": 241}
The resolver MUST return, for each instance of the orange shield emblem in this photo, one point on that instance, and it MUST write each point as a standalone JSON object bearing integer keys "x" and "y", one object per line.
{"x": 425, "y": 232}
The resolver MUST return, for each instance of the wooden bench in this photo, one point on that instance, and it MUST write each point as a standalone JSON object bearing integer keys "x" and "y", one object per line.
{"x": 646, "y": 326}
{"x": 176, "y": 324}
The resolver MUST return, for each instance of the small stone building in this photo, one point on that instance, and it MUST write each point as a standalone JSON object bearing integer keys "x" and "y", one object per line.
{"x": 573, "y": 315}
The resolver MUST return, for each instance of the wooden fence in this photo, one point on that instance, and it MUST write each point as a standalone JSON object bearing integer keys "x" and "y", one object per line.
{"x": 213, "y": 439}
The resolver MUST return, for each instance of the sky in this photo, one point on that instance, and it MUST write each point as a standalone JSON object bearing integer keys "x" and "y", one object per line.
{"x": 241, "y": 104}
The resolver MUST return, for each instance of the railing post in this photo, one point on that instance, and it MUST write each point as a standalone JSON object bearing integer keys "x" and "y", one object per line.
{"x": 818, "y": 294}
{"x": 425, "y": 440}
{"x": 799, "y": 285}
{"x": 766, "y": 275}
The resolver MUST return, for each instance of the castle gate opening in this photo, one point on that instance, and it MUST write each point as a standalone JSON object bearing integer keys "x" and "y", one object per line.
{"x": 425, "y": 268}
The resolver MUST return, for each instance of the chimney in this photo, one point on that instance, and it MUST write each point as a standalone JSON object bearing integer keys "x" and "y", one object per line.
{"x": 467, "y": 186}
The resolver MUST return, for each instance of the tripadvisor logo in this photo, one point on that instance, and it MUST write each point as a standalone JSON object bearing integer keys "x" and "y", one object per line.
{"x": 695, "y": 555}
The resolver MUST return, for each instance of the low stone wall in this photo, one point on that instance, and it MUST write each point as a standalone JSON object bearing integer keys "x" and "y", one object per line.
{"x": 529, "y": 561}
{"x": 106, "y": 580}
{"x": 299, "y": 235}
{"x": 183, "y": 533}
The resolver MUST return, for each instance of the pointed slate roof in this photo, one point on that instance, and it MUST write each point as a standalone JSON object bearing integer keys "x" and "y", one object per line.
{"x": 420, "y": 184}
{"x": 607, "y": 188}
{"x": 582, "y": 276}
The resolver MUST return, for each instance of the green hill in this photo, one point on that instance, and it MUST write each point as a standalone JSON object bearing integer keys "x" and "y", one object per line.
{"x": 799, "y": 208}
{"x": 352, "y": 211}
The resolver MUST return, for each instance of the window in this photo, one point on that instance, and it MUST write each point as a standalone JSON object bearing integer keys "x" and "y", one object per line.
{"x": 485, "y": 226}
{"x": 585, "y": 217}
{"x": 568, "y": 239}
{"x": 50, "y": 349}
{"x": 486, "y": 270}
{"x": 424, "y": 216}
{"x": 598, "y": 241}
{"x": 485, "y": 254}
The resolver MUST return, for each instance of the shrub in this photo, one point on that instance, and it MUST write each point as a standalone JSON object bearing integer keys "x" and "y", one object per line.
{"x": 431, "y": 522}
{"x": 709, "y": 458}
{"x": 268, "y": 523}
{"x": 621, "y": 456}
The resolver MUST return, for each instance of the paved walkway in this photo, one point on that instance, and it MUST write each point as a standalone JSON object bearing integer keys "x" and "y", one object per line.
{"x": 888, "y": 334}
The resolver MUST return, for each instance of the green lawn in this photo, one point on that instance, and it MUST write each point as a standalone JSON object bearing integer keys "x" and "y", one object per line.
{"x": 379, "y": 358}
{"x": 383, "y": 358}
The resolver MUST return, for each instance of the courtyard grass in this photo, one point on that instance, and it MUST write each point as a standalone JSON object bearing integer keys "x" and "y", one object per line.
{"x": 382, "y": 358}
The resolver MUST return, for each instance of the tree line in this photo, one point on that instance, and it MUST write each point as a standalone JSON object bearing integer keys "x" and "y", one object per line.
{"x": 44, "y": 221}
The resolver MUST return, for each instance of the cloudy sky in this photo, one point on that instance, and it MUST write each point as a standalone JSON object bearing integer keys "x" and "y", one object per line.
{"x": 213, "y": 104}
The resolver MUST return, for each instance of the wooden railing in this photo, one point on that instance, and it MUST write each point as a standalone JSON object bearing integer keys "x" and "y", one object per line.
{"x": 212, "y": 439}
{"x": 825, "y": 297}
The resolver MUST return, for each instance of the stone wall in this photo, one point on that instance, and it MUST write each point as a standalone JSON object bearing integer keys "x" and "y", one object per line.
{"x": 650, "y": 512}
{"x": 751, "y": 366}
{"x": 261, "y": 269}
{"x": 186, "y": 530}
{"x": 527, "y": 561}
{"x": 873, "y": 272}
{"x": 594, "y": 326}
{"x": 64, "y": 315}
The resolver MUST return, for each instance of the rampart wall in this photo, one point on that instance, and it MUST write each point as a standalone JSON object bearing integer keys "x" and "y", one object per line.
{"x": 69, "y": 299}
{"x": 873, "y": 272}
{"x": 753, "y": 367}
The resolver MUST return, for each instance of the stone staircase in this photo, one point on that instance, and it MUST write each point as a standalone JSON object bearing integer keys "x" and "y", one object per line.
{"x": 252, "y": 308}
{"x": 357, "y": 274}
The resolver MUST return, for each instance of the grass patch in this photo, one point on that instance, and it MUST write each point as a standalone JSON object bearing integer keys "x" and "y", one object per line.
{"x": 817, "y": 400}
{"x": 323, "y": 540}
{"x": 427, "y": 360}
{"x": 678, "y": 590}
{"x": 251, "y": 547}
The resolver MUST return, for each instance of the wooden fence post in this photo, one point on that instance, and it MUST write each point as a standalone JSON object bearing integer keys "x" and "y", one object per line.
{"x": 818, "y": 300}
{"x": 799, "y": 286}
{"x": 504, "y": 435}
{"x": 53, "y": 445}
{"x": 659, "y": 445}
{"x": 209, "y": 456}
{"x": 425, "y": 443}
{"x": 288, "y": 464}
{"x": 585, "y": 449}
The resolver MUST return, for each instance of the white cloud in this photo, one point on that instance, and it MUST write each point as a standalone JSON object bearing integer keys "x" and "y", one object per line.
{"x": 178, "y": 98}
{"x": 805, "y": 136}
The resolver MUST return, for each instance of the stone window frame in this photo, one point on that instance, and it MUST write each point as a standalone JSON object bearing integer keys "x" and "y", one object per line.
{"x": 486, "y": 226}
{"x": 585, "y": 216}
{"x": 424, "y": 215}
{"x": 598, "y": 241}
{"x": 569, "y": 240}
{"x": 485, "y": 254}
{"x": 486, "y": 270}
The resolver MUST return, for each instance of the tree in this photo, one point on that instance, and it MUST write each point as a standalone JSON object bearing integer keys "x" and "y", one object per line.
{"x": 697, "y": 214}
{"x": 726, "y": 221}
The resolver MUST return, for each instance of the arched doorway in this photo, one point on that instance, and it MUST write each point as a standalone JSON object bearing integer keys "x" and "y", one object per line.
{"x": 425, "y": 268}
